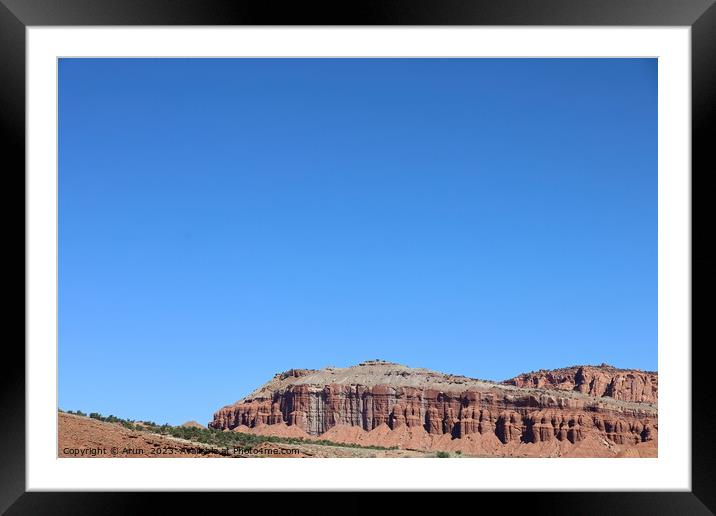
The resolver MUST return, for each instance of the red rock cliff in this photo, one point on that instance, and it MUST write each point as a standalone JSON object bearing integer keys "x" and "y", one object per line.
{"x": 599, "y": 381}
{"x": 376, "y": 394}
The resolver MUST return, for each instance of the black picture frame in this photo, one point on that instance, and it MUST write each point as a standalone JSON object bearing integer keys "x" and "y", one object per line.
{"x": 700, "y": 15}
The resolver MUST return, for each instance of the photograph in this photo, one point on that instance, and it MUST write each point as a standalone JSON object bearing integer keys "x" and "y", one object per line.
{"x": 358, "y": 257}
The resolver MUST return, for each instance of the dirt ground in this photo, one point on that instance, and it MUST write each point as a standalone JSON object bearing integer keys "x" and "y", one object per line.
{"x": 83, "y": 437}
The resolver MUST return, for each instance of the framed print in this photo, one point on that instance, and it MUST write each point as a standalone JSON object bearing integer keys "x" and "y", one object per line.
{"x": 361, "y": 243}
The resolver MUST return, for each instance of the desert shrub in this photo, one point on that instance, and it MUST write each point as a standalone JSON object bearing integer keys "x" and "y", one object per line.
{"x": 214, "y": 436}
{"x": 442, "y": 455}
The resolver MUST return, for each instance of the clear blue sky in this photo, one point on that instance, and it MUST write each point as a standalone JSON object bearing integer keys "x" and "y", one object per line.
{"x": 221, "y": 220}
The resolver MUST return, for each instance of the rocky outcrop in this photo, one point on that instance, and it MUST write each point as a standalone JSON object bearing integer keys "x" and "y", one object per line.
{"x": 600, "y": 381}
{"x": 193, "y": 424}
{"x": 389, "y": 397}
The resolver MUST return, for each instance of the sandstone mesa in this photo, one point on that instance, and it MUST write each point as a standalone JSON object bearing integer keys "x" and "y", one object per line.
{"x": 583, "y": 411}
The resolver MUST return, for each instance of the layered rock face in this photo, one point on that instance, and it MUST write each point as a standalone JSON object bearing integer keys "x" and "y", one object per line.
{"x": 599, "y": 381}
{"x": 377, "y": 394}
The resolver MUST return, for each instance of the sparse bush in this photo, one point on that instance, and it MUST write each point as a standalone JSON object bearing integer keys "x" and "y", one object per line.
{"x": 216, "y": 437}
{"x": 442, "y": 455}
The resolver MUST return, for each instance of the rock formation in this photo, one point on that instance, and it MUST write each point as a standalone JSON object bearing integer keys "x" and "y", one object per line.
{"x": 440, "y": 410}
{"x": 602, "y": 380}
{"x": 192, "y": 424}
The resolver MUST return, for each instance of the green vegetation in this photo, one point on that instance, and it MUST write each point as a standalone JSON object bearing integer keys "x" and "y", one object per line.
{"x": 442, "y": 455}
{"x": 214, "y": 437}
{"x": 76, "y": 412}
